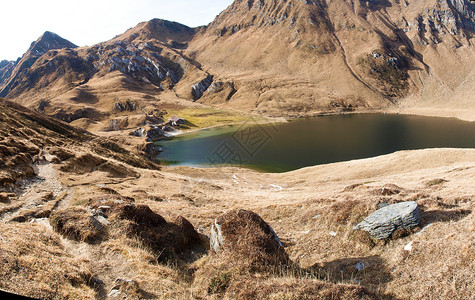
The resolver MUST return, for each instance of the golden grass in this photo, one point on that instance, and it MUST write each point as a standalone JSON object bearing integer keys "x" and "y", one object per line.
{"x": 162, "y": 281}
{"x": 314, "y": 202}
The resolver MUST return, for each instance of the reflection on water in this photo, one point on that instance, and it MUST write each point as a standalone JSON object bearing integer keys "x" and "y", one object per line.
{"x": 307, "y": 142}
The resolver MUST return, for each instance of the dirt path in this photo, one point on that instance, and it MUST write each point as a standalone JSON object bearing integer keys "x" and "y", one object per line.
{"x": 46, "y": 191}
{"x": 35, "y": 193}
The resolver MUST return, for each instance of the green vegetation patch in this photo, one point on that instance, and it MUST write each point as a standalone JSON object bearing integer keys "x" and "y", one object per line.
{"x": 197, "y": 118}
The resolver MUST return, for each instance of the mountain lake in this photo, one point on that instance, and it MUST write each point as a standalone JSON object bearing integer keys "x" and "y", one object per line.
{"x": 281, "y": 147}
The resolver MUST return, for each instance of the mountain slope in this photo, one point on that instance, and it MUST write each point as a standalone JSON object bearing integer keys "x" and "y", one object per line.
{"x": 25, "y": 135}
{"x": 314, "y": 55}
{"x": 6, "y": 69}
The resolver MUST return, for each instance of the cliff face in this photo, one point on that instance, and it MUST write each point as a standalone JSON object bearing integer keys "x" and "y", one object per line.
{"x": 6, "y": 69}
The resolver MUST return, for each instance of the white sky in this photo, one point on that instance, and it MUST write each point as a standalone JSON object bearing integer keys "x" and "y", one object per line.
{"x": 88, "y": 22}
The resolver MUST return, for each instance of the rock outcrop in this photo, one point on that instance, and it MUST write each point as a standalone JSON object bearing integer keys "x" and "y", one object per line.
{"x": 386, "y": 221}
{"x": 6, "y": 69}
{"x": 199, "y": 88}
{"x": 155, "y": 134}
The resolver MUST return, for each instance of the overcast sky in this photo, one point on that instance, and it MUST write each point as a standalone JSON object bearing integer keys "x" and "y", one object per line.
{"x": 87, "y": 22}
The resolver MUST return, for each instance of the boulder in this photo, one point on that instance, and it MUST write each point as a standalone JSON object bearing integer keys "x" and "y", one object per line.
{"x": 167, "y": 239}
{"x": 77, "y": 223}
{"x": 127, "y": 289}
{"x": 245, "y": 233}
{"x": 384, "y": 222}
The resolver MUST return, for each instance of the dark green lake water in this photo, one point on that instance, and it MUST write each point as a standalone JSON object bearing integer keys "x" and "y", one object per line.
{"x": 307, "y": 142}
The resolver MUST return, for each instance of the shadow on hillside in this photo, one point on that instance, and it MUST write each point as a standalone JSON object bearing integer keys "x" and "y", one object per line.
{"x": 84, "y": 95}
{"x": 435, "y": 216}
{"x": 370, "y": 271}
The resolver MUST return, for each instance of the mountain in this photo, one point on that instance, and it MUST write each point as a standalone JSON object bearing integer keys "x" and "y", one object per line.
{"x": 6, "y": 68}
{"x": 48, "y": 41}
{"x": 89, "y": 83}
{"x": 272, "y": 57}
{"x": 285, "y": 56}
{"x": 173, "y": 33}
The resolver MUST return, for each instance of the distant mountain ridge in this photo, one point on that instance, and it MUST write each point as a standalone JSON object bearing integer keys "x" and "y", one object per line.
{"x": 270, "y": 57}
{"x": 6, "y": 68}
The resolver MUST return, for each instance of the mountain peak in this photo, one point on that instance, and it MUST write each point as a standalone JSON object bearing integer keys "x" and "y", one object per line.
{"x": 46, "y": 42}
{"x": 49, "y": 34}
{"x": 159, "y": 29}
{"x": 49, "y": 41}
{"x": 258, "y": 13}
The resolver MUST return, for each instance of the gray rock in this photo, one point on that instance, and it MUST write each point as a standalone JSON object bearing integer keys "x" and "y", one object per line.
{"x": 385, "y": 221}
{"x": 103, "y": 220}
{"x": 216, "y": 239}
{"x": 198, "y": 89}
{"x": 119, "y": 283}
{"x": 151, "y": 149}
{"x": 125, "y": 106}
{"x": 96, "y": 223}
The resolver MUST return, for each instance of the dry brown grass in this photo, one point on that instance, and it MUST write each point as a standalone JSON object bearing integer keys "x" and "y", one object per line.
{"x": 156, "y": 280}
{"x": 35, "y": 264}
{"x": 166, "y": 239}
{"x": 250, "y": 266}
{"x": 249, "y": 237}
{"x": 313, "y": 215}
{"x": 296, "y": 288}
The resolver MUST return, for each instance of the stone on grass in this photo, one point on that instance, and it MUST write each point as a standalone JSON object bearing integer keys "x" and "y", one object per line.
{"x": 384, "y": 222}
